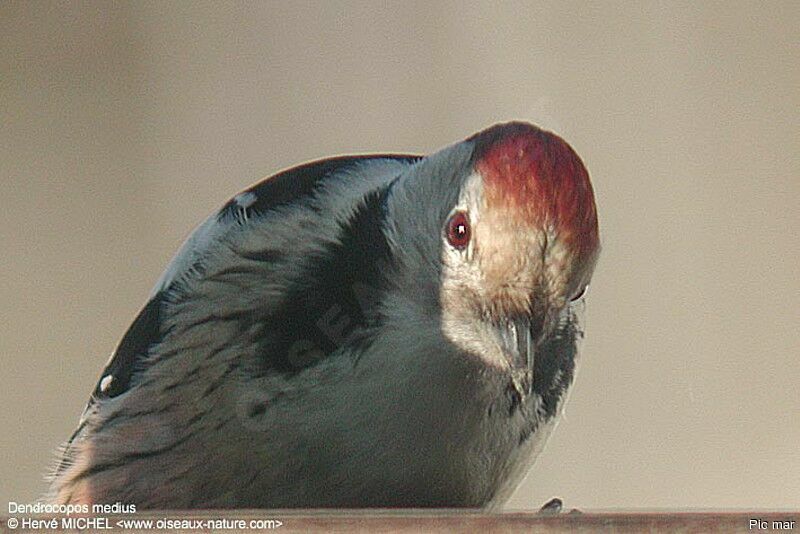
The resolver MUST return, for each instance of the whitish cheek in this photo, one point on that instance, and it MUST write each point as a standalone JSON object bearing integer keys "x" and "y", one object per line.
{"x": 469, "y": 337}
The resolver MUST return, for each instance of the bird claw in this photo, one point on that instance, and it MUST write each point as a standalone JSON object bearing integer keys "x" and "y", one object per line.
{"x": 555, "y": 506}
{"x": 552, "y": 507}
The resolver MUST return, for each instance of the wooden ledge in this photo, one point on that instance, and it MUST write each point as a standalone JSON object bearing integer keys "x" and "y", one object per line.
{"x": 407, "y": 521}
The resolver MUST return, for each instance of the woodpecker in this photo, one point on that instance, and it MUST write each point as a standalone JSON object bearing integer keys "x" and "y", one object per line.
{"x": 360, "y": 331}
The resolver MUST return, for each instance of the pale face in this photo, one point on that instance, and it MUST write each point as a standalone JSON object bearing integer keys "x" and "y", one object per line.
{"x": 505, "y": 281}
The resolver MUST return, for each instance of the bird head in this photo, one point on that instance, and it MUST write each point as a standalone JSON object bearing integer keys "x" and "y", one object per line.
{"x": 512, "y": 239}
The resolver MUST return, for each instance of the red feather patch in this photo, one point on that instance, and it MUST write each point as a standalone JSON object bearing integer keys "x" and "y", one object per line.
{"x": 538, "y": 178}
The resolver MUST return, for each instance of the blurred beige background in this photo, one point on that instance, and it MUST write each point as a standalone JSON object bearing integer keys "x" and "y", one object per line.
{"x": 123, "y": 125}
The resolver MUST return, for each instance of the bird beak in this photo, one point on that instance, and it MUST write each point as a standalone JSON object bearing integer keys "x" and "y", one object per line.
{"x": 516, "y": 341}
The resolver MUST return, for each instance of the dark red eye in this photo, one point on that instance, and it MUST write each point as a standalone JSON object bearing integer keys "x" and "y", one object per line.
{"x": 458, "y": 231}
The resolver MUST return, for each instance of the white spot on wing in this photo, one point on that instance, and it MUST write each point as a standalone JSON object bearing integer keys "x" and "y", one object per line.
{"x": 105, "y": 383}
{"x": 246, "y": 199}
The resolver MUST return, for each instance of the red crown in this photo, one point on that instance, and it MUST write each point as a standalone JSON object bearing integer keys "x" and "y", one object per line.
{"x": 537, "y": 177}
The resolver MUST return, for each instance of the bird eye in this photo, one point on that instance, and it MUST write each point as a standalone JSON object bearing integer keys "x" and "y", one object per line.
{"x": 458, "y": 230}
{"x": 581, "y": 293}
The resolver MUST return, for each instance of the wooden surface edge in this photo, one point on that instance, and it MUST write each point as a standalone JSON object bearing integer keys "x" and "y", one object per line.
{"x": 402, "y": 521}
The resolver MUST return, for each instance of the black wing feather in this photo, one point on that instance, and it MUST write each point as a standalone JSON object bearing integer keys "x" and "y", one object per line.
{"x": 340, "y": 276}
{"x": 333, "y": 275}
{"x": 142, "y": 334}
{"x": 334, "y": 302}
{"x": 299, "y": 182}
